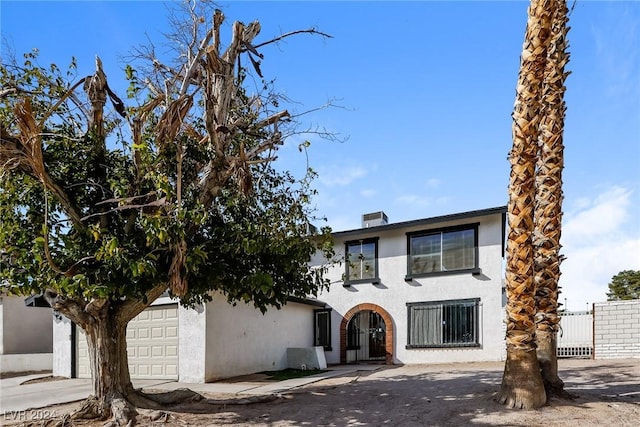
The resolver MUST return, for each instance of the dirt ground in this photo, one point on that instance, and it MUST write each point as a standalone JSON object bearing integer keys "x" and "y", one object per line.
{"x": 607, "y": 394}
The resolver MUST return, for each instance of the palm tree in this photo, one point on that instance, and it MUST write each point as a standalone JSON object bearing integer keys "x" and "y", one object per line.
{"x": 522, "y": 385}
{"x": 548, "y": 206}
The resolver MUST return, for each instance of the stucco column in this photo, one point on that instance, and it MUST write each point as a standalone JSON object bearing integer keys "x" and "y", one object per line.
{"x": 61, "y": 346}
{"x": 192, "y": 331}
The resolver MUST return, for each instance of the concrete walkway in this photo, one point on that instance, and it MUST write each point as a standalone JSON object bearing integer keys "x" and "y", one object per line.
{"x": 16, "y": 396}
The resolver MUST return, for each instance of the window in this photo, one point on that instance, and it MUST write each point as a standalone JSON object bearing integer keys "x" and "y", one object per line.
{"x": 443, "y": 324}
{"x": 440, "y": 251}
{"x": 322, "y": 328}
{"x": 361, "y": 261}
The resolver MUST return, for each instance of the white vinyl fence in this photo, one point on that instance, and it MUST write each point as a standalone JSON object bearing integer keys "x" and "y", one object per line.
{"x": 575, "y": 338}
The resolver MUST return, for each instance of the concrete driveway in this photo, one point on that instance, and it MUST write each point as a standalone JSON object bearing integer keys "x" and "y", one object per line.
{"x": 16, "y": 397}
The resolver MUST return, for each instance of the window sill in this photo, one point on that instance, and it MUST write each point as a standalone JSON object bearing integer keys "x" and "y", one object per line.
{"x": 442, "y": 346}
{"x": 374, "y": 281}
{"x": 472, "y": 271}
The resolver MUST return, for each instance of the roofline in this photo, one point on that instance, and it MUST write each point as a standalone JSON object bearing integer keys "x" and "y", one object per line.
{"x": 307, "y": 301}
{"x": 424, "y": 221}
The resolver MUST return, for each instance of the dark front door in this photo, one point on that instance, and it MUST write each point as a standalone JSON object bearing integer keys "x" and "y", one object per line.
{"x": 366, "y": 337}
{"x": 377, "y": 343}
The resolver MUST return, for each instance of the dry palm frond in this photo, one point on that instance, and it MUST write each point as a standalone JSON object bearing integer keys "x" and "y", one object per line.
{"x": 24, "y": 152}
{"x": 172, "y": 121}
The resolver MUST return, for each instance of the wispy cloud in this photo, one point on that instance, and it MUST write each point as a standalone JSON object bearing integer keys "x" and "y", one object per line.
{"x": 421, "y": 201}
{"x": 433, "y": 183}
{"x": 341, "y": 175}
{"x": 598, "y": 218}
{"x": 599, "y": 241}
{"x": 368, "y": 193}
{"x": 618, "y": 49}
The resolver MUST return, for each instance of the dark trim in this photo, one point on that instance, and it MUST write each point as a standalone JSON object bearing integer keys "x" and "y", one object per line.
{"x": 36, "y": 301}
{"x": 307, "y": 301}
{"x": 373, "y": 280}
{"x": 74, "y": 356}
{"x": 504, "y": 233}
{"x": 475, "y": 270}
{"x": 423, "y": 222}
{"x": 445, "y": 301}
{"x": 441, "y": 346}
{"x": 475, "y": 301}
{"x": 315, "y": 327}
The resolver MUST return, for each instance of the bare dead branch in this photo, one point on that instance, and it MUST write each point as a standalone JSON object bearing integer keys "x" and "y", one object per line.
{"x": 127, "y": 199}
{"x": 291, "y": 33}
{"x": 67, "y": 94}
{"x": 194, "y": 63}
{"x": 153, "y": 204}
{"x": 8, "y": 91}
{"x": 274, "y": 118}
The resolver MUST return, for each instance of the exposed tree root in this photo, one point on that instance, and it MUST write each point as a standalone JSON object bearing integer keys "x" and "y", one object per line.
{"x": 155, "y": 406}
{"x": 161, "y": 400}
{"x": 122, "y": 409}
{"x": 123, "y": 412}
{"x": 89, "y": 410}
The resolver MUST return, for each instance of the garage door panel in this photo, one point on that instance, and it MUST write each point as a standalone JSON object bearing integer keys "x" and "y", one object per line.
{"x": 152, "y": 345}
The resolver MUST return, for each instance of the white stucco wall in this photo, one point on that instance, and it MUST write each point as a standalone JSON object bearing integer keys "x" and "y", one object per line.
{"x": 393, "y": 293}
{"x": 192, "y": 333}
{"x": 62, "y": 347}
{"x": 241, "y": 340}
{"x": 25, "y": 329}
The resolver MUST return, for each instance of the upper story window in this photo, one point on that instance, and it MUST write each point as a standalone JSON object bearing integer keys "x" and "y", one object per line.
{"x": 361, "y": 261}
{"x": 452, "y": 249}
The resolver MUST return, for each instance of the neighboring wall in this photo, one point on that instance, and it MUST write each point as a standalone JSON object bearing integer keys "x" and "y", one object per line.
{"x": 24, "y": 329}
{"x": 616, "y": 329}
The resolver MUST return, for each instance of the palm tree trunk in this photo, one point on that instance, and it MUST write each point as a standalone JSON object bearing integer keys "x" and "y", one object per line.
{"x": 522, "y": 385}
{"x": 548, "y": 208}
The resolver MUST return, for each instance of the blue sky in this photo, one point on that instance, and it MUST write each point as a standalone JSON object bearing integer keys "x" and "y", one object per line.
{"x": 427, "y": 89}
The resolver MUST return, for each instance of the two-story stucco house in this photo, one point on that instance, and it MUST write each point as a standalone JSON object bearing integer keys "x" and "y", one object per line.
{"x": 423, "y": 291}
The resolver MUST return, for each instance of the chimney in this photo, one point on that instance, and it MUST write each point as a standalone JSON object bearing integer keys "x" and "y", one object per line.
{"x": 374, "y": 219}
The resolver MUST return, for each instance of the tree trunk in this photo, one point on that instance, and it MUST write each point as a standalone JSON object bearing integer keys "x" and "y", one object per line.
{"x": 548, "y": 361}
{"x": 522, "y": 386}
{"x": 549, "y": 195}
{"x": 107, "y": 344}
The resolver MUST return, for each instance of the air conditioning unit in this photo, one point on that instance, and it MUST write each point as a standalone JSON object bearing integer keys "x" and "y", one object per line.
{"x": 374, "y": 219}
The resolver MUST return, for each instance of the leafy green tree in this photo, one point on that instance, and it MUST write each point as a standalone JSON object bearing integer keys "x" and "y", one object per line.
{"x": 624, "y": 285}
{"x": 104, "y": 209}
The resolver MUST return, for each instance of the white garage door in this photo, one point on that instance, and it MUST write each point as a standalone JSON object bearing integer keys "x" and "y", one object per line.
{"x": 152, "y": 345}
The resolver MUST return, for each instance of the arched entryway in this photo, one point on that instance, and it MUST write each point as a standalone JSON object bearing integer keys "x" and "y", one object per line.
{"x": 366, "y": 334}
